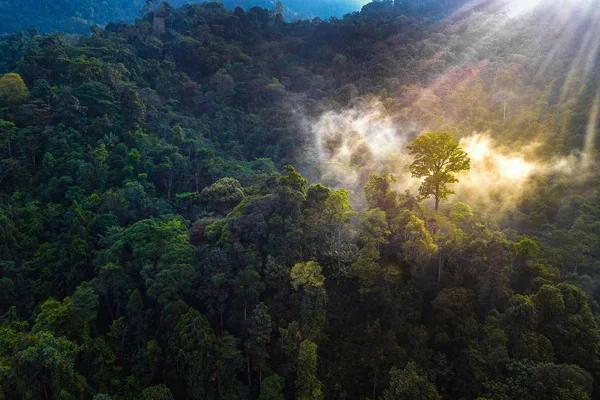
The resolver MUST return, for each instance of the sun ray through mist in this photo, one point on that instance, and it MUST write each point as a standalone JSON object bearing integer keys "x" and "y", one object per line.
{"x": 370, "y": 137}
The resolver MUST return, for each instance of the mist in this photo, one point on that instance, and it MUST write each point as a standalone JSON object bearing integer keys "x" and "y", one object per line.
{"x": 509, "y": 115}
{"x": 355, "y": 142}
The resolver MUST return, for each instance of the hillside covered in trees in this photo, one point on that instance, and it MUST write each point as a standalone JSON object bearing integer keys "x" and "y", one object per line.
{"x": 219, "y": 204}
{"x": 78, "y": 16}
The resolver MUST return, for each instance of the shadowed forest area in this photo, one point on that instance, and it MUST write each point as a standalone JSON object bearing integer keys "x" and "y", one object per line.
{"x": 218, "y": 204}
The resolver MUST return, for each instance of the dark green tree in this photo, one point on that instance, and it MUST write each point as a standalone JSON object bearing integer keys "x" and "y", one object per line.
{"x": 409, "y": 383}
{"x": 191, "y": 354}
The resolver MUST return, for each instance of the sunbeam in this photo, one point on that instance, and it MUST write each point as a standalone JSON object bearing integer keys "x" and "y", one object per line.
{"x": 520, "y": 7}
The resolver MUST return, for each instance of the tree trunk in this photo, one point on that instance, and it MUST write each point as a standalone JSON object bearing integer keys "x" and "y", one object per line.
{"x": 339, "y": 246}
{"x": 170, "y": 187}
{"x": 110, "y": 311}
{"x": 374, "y": 387}
{"x": 249, "y": 375}
{"x": 9, "y": 149}
{"x": 440, "y": 267}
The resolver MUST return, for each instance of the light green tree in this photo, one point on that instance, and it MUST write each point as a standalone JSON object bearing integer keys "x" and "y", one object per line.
{"x": 416, "y": 241}
{"x": 338, "y": 214}
{"x": 308, "y": 385}
{"x": 13, "y": 90}
{"x": 306, "y": 275}
{"x": 313, "y": 307}
{"x": 437, "y": 159}
{"x": 374, "y": 234}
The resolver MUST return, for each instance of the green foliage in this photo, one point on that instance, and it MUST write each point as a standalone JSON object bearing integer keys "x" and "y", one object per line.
{"x": 85, "y": 302}
{"x": 13, "y": 90}
{"x": 379, "y": 194}
{"x": 271, "y": 388}
{"x": 222, "y": 196}
{"x": 374, "y": 234}
{"x": 259, "y": 331}
{"x": 152, "y": 245}
{"x": 158, "y": 392}
{"x": 410, "y": 383}
{"x": 418, "y": 245}
{"x": 191, "y": 353}
{"x": 308, "y": 385}
{"x": 306, "y": 275}
{"x": 47, "y": 368}
{"x": 437, "y": 159}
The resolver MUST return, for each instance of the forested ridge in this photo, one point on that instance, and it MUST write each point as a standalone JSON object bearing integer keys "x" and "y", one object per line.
{"x": 77, "y": 17}
{"x": 177, "y": 218}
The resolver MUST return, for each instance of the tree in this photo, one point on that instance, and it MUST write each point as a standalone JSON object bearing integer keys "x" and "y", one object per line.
{"x": 158, "y": 392}
{"x": 379, "y": 194}
{"x": 437, "y": 159}
{"x": 272, "y": 388}
{"x": 279, "y": 9}
{"x": 8, "y": 132}
{"x": 313, "y": 311}
{"x": 416, "y": 241}
{"x": 259, "y": 336}
{"x": 410, "y": 383}
{"x": 374, "y": 233}
{"x": 85, "y": 302}
{"x": 46, "y": 369}
{"x": 59, "y": 319}
{"x": 248, "y": 286}
{"x": 222, "y": 196}
{"x": 135, "y": 316}
{"x": 307, "y": 385}
{"x": 291, "y": 189}
{"x": 229, "y": 363}
{"x": 456, "y": 325}
{"x": 13, "y": 90}
{"x": 192, "y": 354}
{"x": 306, "y": 275}
{"x": 338, "y": 214}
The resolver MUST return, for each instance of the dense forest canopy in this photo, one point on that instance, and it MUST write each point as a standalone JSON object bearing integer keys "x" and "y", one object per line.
{"x": 78, "y": 16}
{"x": 218, "y": 204}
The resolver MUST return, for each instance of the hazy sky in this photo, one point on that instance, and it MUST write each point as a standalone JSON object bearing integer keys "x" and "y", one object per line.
{"x": 305, "y": 8}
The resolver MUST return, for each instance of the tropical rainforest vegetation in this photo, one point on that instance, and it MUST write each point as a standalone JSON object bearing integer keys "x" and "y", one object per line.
{"x": 78, "y": 17}
{"x": 163, "y": 231}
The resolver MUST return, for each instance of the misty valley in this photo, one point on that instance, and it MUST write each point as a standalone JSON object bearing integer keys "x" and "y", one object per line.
{"x": 262, "y": 200}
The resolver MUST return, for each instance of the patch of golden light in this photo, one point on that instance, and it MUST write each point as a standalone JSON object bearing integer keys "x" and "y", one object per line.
{"x": 491, "y": 163}
{"x": 478, "y": 147}
{"x": 515, "y": 168}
